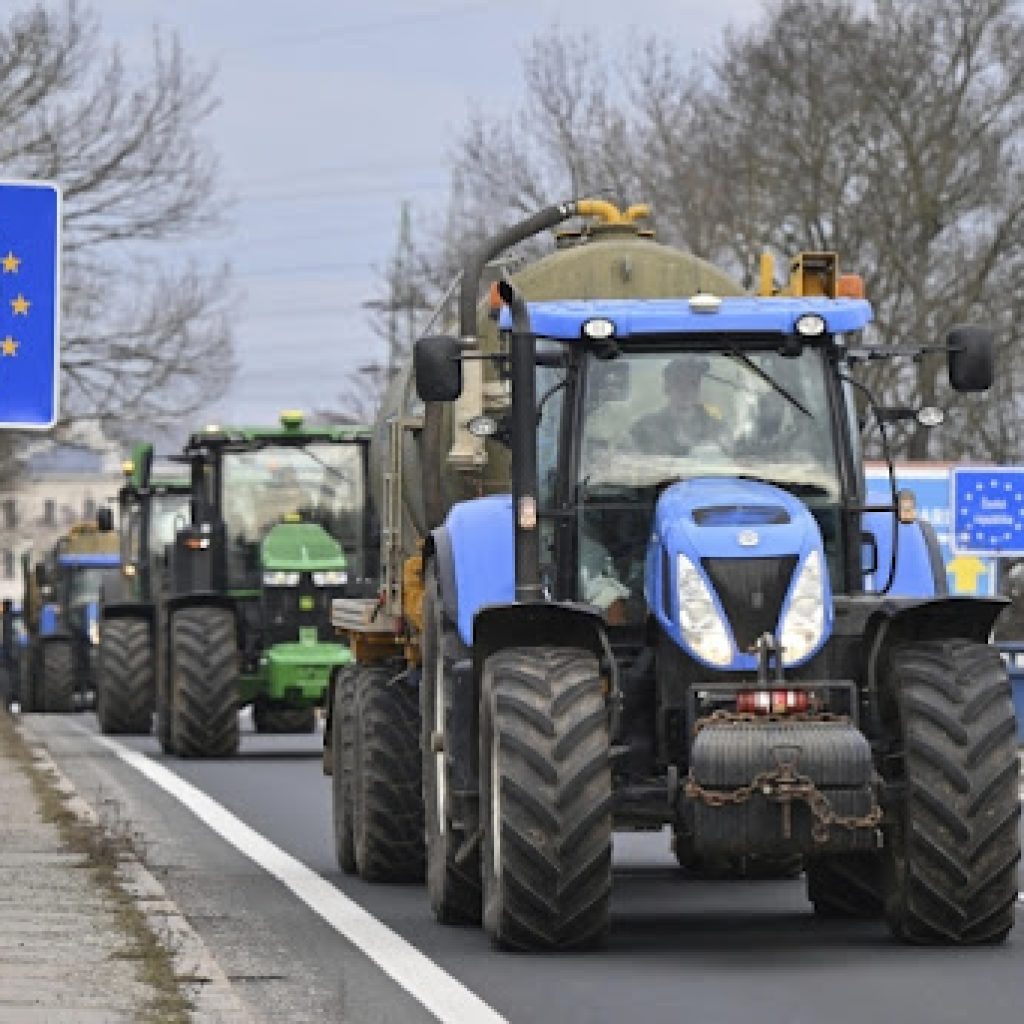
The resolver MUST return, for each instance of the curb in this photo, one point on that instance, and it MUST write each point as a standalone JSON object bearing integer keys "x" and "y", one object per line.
{"x": 202, "y": 982}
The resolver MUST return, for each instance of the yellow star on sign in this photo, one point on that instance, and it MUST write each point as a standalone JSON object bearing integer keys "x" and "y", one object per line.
{"x": 9, "y": 346}
{"x": 20, "y": 305}
{"x": 10, "y": 263}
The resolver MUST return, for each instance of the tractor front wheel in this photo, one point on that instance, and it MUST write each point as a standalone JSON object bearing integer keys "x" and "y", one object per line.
{"x": 204, "y": 682}
{"x": 270, "y": 719}
{"x": 124, "y": 684}
{"x": 545, "y": 799}
{"x": 953, "y": 843}
{"x": 55, "y": 685}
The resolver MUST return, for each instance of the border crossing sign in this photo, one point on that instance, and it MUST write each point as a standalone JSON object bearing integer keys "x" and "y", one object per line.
{"x": 29, "y": 303}
{"x": 988, "y": 511}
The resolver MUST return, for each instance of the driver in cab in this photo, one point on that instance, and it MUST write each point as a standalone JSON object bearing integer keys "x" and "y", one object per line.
{"x": 685, "y": 421}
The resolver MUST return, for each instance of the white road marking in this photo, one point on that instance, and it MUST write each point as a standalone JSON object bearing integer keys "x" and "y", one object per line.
{"x": 441, "y": 994}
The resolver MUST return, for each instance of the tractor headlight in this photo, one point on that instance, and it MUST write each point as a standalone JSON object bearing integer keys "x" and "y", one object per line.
{"x": 280, "y": 579}
{"x": 804, "y": 620}
{"x": 330, "y": 578}
{"x": 94, "y": 632}
{"x": 701, "y": 625}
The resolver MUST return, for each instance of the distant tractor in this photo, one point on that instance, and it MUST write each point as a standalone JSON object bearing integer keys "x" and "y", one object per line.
{"x": 280, "y": 526}
{"x": 683, "y": 611}
{"x": 151, "y": 510}
{"x": 61, "y": 614}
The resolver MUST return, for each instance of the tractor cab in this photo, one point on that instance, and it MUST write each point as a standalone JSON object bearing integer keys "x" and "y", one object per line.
{"x": 280, "y": 526}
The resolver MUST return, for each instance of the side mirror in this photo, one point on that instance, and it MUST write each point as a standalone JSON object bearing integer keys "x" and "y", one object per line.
{"x": 969, "y": 357}
{"x": 104, "y": 520}
{"x": 437, "y": 364}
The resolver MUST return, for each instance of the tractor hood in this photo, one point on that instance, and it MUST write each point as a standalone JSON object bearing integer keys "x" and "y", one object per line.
{"x": 730, "y": 560}
{"x": 300, "y": 547}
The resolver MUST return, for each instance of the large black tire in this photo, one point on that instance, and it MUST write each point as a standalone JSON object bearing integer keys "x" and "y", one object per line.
{"x": 454, "y": 888}
{"x": 55, "y": 685}
{"x": 545, "y": 799}
{"x": 125, "y": 696}
{"x": 270, "y": 719}
{"x": 26, "y": 680}
{"x": 204, "y": 682}
{"x": 343, "y": 764}
{"x": 846, "y": 885}
{"x": 952, "y": 844}
{"x": 387, "y": 802}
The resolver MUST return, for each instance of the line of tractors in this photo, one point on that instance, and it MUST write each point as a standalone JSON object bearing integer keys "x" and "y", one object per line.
{"x": 604, "y": 561}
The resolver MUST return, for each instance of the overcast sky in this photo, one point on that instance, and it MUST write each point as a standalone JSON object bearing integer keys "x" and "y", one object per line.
{"x": 333, "y": 112}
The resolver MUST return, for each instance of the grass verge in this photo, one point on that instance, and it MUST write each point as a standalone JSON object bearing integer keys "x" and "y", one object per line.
{"x": 103, "y": 853}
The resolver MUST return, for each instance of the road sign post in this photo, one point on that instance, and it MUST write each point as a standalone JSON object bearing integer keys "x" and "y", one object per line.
{"x": 30, "y": 216}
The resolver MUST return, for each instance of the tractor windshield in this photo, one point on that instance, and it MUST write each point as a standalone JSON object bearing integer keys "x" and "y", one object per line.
{"x": 169, "y": 513}
{"x": 651, "y": 418}
{"x": 84, "y": 583}
{"x": 322, "y": 483}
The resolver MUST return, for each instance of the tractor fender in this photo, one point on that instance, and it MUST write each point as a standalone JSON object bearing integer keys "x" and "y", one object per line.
{"x": 940, "y": 618}
{"x": 537, "y": 624}
{"x": 128, "y": 610}
{"x": 481, "y": 538}
{"x": 200, "y": 599}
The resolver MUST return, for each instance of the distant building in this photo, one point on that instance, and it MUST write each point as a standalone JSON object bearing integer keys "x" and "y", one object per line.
{"x": 61, "y": 482}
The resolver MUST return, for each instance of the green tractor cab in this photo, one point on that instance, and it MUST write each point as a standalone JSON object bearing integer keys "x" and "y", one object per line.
{"x": 281, "y": 527}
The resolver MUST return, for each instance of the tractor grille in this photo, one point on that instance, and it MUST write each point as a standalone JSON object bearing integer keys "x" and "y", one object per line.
{"x": 283, "y": 615}
{"x": 751, "y": 591}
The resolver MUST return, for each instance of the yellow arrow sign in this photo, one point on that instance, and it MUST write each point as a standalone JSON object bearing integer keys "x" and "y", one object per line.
{"x": 966, "y": 570}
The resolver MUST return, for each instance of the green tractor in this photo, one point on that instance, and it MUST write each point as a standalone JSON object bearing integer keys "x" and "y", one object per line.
{"x": 151, "y": 511}
{"x": 281, "y": 526}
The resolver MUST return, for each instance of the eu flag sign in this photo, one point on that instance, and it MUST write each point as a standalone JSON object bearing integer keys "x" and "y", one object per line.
{"x": 29, "y": 303}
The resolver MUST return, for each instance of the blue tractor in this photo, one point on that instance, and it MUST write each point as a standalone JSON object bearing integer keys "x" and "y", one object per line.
{"x": 62, "y": 621}
{"x": 687, "y": 613}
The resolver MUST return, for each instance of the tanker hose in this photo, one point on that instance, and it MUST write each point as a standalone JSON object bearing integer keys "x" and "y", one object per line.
{"x": 431, "y": 439}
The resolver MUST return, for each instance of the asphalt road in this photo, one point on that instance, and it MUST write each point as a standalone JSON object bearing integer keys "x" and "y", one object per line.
{"x": 680, "y": 950}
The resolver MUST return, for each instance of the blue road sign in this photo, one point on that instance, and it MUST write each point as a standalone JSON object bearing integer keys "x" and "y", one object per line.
{"x": 988, "y": 511}
{"x": 29, "y": 303}
{"x": 966, "y": 573}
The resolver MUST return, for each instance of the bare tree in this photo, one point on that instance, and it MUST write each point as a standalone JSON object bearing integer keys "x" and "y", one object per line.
{"x": 889, "y": 132}
{"x": 899, "y": 152}
{"x": 145, "y": 333}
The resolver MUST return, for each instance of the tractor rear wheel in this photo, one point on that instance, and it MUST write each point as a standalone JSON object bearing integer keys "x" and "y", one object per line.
{"x": 846, "y": 885}
{"x": 454, "y": 887}
{"x": 124, "y": 684}
{"x": 55, "y": 685}
{"x": 342, "y": 767}
{"x": 387, "y": 802}
{"x": 269, "y": 719}
{"x": 545, "y": 799}
{"x": 204, "y": 682}
{"x": 953, "y": 844}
